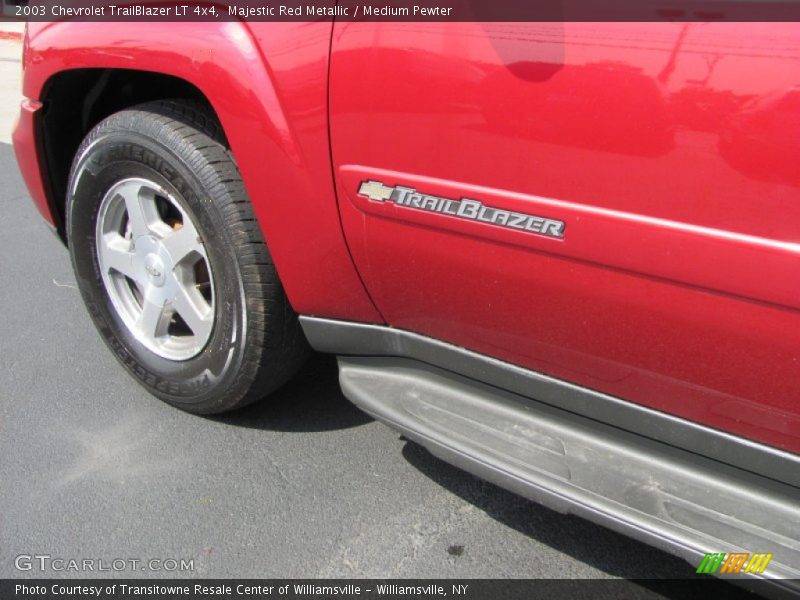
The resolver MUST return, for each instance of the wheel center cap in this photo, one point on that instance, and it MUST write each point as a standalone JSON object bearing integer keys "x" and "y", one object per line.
{"x": 154, "y": 267}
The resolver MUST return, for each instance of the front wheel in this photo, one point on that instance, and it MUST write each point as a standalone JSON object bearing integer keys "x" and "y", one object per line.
{"x": 171, "y": 262}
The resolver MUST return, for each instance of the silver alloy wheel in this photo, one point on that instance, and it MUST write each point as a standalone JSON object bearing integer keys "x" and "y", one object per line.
{"x": 155, "y": 269}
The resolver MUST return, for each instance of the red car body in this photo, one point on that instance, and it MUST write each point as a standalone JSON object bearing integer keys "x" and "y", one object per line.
{"x": 669, "y": 151}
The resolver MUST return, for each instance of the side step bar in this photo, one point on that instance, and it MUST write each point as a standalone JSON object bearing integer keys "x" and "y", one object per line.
{"x": 676, "y": 500}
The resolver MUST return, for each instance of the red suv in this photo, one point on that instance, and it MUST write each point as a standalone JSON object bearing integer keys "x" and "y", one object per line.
{"x": 563, "y": 256}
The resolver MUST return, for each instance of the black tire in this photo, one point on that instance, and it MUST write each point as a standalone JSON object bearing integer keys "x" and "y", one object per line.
{"x": 256, "y": 343}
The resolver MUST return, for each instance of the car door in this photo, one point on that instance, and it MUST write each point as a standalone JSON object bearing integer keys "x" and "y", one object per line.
{"x": 611, "y": 204}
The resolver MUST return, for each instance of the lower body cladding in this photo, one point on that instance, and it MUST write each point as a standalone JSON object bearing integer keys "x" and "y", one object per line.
{"x": 661, "y": 493}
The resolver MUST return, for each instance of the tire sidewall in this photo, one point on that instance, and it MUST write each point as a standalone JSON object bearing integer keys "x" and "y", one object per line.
{"x": 106, "y": 159}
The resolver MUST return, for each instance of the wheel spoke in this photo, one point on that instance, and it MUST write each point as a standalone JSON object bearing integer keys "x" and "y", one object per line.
{"x": 154, "y": 320}
{"x": 194, "y": 311}
{"x": 140, "y": 205}
{"x": 182, "y": 242}
{"x": 115, "y": 255}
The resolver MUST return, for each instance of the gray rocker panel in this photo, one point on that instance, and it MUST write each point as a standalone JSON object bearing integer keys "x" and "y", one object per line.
{"x": 346, "y": 338}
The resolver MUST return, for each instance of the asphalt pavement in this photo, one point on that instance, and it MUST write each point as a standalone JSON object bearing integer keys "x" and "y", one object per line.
{"x": 300, "y": 485}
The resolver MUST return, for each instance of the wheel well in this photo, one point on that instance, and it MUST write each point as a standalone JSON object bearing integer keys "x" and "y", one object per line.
{"x": 77, "y": 100}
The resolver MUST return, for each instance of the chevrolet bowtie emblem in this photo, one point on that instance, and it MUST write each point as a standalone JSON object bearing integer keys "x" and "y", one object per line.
{"x": 465, "y": 208}
{"x": 375, "y": 190}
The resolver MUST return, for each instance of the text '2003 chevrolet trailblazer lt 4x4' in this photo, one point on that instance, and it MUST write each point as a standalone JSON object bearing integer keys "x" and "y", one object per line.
{"x": 564, "y": 256}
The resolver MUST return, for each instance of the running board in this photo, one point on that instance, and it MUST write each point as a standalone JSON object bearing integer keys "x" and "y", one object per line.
{"x": 676, "y": 500}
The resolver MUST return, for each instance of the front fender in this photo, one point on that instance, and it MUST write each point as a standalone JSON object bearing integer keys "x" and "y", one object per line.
{"x": 267, "y": 83}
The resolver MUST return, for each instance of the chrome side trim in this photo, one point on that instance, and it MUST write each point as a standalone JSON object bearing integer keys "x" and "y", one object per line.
{"x": 359, "y": 339}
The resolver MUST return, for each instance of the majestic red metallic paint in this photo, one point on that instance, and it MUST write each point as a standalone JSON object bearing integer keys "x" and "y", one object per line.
{"x": 669, "y": 149}
{"x": 28, "y": 158}
{"x": 267, "y": 83}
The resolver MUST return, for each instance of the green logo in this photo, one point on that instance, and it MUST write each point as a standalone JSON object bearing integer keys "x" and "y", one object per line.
{"x": 734, "y": 562}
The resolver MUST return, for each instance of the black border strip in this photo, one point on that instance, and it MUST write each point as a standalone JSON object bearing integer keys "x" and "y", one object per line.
{"x": 700, "y": 588}
{"x": 407, "y": 10}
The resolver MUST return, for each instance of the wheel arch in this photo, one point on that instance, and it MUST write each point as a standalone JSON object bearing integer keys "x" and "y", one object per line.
{"x": 223, "y": 65}
{"x": 78, "y": 99}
